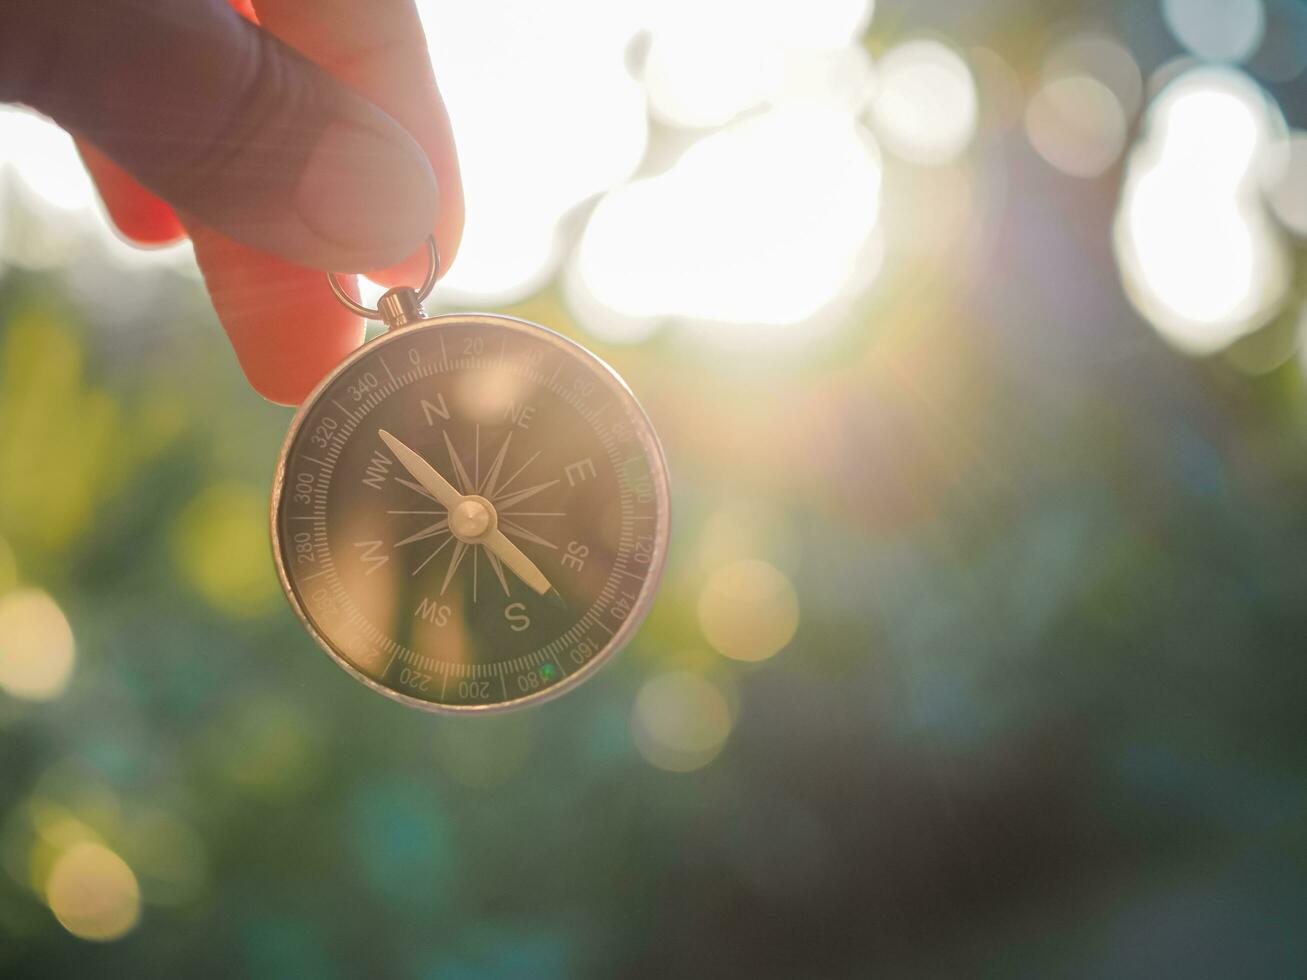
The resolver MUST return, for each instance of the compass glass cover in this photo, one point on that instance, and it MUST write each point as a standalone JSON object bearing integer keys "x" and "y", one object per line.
{"x": 549, "y": 447}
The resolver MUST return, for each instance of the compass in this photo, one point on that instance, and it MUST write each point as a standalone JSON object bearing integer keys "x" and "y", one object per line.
{"x": 470, "y": 512}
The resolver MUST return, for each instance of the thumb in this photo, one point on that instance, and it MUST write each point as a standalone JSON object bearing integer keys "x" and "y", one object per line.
{"x": 225, "y": 123}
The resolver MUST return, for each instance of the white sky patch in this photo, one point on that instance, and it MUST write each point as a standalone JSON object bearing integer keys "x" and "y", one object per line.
{"x": 762, "y": 223}
{"x": 545, "y": 114}
{"x": 1198, "y": 253}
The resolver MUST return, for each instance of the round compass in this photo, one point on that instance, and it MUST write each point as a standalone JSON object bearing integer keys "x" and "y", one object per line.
{"x": 471, "y": 512}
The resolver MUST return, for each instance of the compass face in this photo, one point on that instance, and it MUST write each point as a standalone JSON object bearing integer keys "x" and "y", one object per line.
{"x": 470, "y": 513}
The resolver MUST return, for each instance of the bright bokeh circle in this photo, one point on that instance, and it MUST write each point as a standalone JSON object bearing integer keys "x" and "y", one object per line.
{"x": 37, "y": 653}
{"x": 748, "y": 610}
{"x": 93, "y": 893}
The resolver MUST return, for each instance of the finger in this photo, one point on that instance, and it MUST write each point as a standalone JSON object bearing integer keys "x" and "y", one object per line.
{"x": 286, "y": 327}
{"x": 379, "y": 49}
{"x": 227, "y": 124}
{"x": 140, "y": 216}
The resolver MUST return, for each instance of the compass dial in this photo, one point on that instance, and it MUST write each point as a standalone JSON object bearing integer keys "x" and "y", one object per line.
{"x": 471, "y": 512}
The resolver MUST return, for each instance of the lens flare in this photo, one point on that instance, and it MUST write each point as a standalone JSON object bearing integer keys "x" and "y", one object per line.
{"x": 680, "y": 721}
{"x": 748, "y": 610}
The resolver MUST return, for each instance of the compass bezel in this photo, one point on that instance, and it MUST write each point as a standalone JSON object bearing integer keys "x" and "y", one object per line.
{"x": 644, "y": 433}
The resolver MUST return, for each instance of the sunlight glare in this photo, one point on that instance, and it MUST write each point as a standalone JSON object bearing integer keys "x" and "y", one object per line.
{"x": 762, "y": 223}
{"x": 546, "y": 114}
{"x": 707, "y": 63}
{"x": 1198, "y": 253}
{"x": 925, "y": 104}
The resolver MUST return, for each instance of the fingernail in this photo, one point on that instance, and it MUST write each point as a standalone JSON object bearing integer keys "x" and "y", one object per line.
{"x": 367, "y": 193}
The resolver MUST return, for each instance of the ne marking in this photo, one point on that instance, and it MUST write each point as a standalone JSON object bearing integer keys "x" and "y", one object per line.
{"x": 386, "y": 366}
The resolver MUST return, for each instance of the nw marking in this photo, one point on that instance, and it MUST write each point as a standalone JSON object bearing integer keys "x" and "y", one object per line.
{"x": 378, "y": 470}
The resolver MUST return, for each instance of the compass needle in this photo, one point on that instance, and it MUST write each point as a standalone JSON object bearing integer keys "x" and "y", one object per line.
{"x": 512, "y": 556}
{"x": 422, "y": 471}
{"x": 387, "y": 505}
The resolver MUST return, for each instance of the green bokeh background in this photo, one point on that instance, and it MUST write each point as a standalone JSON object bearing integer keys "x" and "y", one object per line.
{"x": 1042, "y": 715}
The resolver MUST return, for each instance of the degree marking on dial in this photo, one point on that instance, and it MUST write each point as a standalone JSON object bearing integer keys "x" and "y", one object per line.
{"x": 611, "y": 449}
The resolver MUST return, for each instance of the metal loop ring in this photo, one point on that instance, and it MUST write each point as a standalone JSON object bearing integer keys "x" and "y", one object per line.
{"x": 433, "y": 269}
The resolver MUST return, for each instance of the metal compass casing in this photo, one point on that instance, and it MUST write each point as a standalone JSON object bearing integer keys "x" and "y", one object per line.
{"x": 471, "y": 511}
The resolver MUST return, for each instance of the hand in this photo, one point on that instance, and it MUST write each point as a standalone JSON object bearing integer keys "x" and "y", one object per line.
{"x": 472, "y": 519}
{"x": 263, "y": 143}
